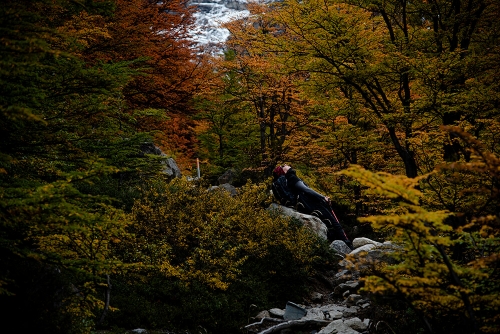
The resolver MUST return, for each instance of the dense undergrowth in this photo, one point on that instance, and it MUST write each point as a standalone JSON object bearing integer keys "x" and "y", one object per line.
{"x": 207, "y": 257}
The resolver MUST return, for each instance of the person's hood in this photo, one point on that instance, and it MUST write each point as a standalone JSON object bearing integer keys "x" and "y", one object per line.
{"x": 277, "y": 172}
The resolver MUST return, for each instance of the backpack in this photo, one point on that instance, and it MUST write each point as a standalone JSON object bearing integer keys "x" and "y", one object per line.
{"x": 282, "y": 193}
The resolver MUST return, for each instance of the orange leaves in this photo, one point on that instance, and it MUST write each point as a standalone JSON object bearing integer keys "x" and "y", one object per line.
{"x": 178, "y": 137}
{"x": 264, "y": 84}
{"x": 157, "y": 33}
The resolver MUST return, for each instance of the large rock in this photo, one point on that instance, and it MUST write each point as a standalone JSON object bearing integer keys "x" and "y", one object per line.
{"x": 353, "y": 299}
{"x": 358, "y": 242}
{"x": 314, "y": 223}
{"x": 317, "y": 313}
{"x": 356, "y": 324}
{"x": 371, "y": 253}
{"x": 338, "y": 327}
{"x": 170, "y": 167}
{"x": 365, "y": 248}
{"x": 340, "y": 247}
{"x": 352, "y": 286}
{"x": 277, "y": 313}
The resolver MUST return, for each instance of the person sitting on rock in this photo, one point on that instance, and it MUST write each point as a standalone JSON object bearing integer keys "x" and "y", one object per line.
{"x": 312, "y": 203}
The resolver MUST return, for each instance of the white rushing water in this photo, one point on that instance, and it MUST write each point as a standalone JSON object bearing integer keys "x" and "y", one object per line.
{"x": 209, "y": 17}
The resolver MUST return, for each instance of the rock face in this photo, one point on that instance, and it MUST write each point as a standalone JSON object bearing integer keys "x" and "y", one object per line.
{"x": 314, "y": 223}
{"x": 170, "y": 166}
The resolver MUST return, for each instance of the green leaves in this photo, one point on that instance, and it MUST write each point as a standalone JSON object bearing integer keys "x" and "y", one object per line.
{"x": 69, "y": 160}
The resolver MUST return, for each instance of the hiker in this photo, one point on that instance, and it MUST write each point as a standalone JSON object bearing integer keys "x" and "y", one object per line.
{"x": 310, "y": 202}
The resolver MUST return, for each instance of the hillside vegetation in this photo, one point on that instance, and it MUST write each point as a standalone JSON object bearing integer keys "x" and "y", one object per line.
{"x": 389, "y": 107}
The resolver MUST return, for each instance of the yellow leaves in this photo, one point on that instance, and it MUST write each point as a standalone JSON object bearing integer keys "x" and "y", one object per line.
{"x": 424, "y": 274}
{"x": 86, "y": 29}
{"x": 392, "y": 186}
{"x": 209, "y": 237}
{"x": 422, "y": 223}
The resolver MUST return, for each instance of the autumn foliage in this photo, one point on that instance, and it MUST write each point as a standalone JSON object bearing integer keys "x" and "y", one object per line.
{"x": 389, "y": 107}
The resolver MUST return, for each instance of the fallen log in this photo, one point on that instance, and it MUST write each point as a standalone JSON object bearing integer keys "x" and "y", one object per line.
{"x": 263, "y": 322}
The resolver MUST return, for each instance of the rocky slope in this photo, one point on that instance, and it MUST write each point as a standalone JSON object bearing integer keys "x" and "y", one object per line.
{"x": 335, "y": 304}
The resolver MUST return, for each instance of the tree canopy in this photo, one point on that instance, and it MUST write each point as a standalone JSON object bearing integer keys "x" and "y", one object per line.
{"x": 391, "y": 107}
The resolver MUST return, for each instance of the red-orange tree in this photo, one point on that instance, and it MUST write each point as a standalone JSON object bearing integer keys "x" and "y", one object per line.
{"x": 158, "y": 32}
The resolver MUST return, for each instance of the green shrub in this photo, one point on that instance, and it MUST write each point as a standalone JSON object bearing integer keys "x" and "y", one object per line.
{"x": 207, "y": 256}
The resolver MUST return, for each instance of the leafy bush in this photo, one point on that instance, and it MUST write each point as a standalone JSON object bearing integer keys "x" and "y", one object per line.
{"x": 456, "y": 294}
{"x": 208, "y": 256}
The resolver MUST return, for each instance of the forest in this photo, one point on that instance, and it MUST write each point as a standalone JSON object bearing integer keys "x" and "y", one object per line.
{"x": 391, "y": 107}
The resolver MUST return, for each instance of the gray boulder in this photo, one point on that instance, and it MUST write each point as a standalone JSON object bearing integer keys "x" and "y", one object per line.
{"x": 371, "y": 253}
{"x": 358, "y": 242}
{"x": 364, "y": 248}
{"x": 312, "y": 222}
{"x": 353, "y": 299}
{"x": 338, "y": 327}
{"x": 170, "y": 167}
{"x": 340, "y": 247}
{"x": 356, "y": 324}
{"x": 277, "y": 313}
{"x": 349, "y": 285}
{"x": 228, "y": 187}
